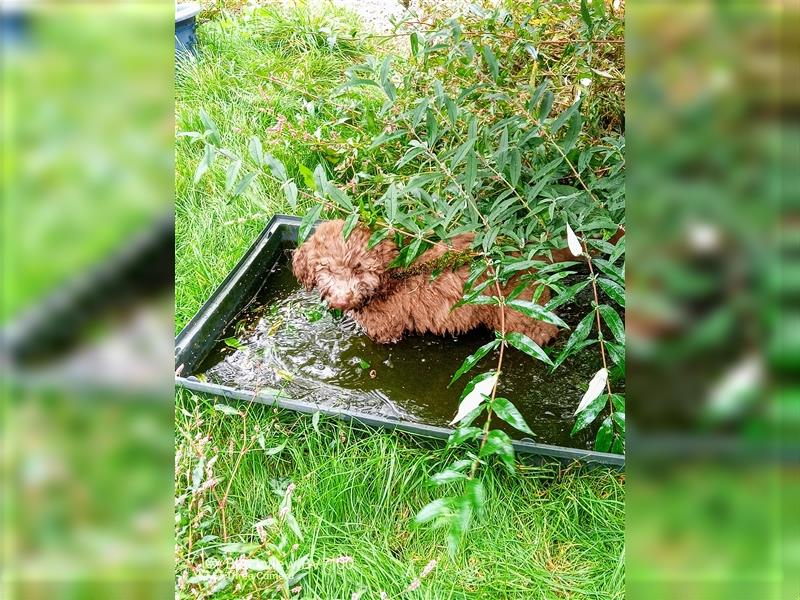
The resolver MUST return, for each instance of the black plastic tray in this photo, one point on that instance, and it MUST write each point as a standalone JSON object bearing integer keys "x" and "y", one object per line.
{"x": 200, "y": 336}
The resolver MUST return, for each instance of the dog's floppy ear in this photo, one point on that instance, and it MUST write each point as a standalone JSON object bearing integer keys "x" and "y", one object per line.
{"x": 300, "y": 267}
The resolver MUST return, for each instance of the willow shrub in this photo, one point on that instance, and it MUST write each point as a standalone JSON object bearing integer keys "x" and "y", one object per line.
{"x": 474, "y": 137}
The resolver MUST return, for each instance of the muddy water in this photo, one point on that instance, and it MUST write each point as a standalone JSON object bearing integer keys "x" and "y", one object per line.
{"x": 289, "y": 341}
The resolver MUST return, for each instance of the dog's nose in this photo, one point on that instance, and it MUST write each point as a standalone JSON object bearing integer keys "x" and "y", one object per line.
{"x": 341, "y": 302}
{"x": 337, "y": 303}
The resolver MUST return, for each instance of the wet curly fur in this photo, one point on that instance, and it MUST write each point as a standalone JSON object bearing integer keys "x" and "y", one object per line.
{"x": 359, "y": 281}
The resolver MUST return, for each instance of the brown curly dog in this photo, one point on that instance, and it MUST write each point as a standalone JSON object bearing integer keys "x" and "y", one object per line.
{"x": 387, "y": 302}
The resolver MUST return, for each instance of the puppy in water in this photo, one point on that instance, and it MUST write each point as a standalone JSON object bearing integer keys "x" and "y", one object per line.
{"x": 388, "y": 302}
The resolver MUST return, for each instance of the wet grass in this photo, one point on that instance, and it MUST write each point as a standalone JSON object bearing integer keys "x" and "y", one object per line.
{"x": 548, "y": 533}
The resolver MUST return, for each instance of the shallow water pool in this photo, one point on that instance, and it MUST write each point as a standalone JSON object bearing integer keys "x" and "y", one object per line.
{"x": 286, "y": 339}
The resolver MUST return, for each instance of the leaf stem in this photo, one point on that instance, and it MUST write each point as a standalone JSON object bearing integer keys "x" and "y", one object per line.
{"x": 486, "y": 425}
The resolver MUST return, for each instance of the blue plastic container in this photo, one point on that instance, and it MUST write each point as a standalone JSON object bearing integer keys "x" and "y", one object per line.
{"x": 185, "y": 27}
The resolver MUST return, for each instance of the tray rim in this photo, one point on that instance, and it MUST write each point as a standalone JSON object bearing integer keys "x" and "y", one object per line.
{"x": 524, "y": 446}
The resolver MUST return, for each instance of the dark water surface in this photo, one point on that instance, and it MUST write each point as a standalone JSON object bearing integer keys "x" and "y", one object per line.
{"x": 290, "y": 341}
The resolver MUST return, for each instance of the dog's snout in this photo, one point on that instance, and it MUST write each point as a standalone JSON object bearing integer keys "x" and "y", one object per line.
{"x": 341, "y": 302}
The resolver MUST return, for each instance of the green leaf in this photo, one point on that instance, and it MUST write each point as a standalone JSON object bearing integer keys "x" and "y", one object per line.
{"x": 239, "y": 547}
{"x": 233, "y": 343}
{"x": 232, "y": 174}
{"x": 338, "y": 196}
{"x": 356, "y": 82}
{"x": 276, "y": 167}
{"x": 452, "y": 110}
{"x": 546, "y": 106}
{"x": 389, "y": 199}
{"x": 586, "y": 16}
{"x": 619, "y": 419}
{"x": 537, "y": 311}
{"x": 619, "y": 250}
{"x": 481, "y": 300}
{"x": 618, "y": 400}
{"x": 448, "y": 476}
{"x": 433, "y": 510}
{"x": 574, "y": 130}
{"x": 491, "y": 61}
{"x": 225, "y": 409}
{"x": 588, "y": 415}
{"x": 414, "y": 40}
{"x": 562, "y": 118}
{"x": 244, "y": 183}
{"x": 463, "y": 434}
{"x": 567, "y": 295}
{"x": 376, "y": 238}
{"x": 320, "y": 179}
{"x": 498, "y": 442}
{"x": 612, "y": 271}
{"x": 315, "y": 421}
{"x": 308, "y": 222}
{"x": 473, "y": 398}
{"x": 349, "y": 225}
{"x": 473, "y": 359}
{"x": 419, "y": 112}
{"x": 385, "y": 137}
{"x": 613, "y": 290}
{"x": 514, "y": 166}
{"x": 363, "y": 364}
{"x": 384, "y": 77}
{"x": 471, "y": 171}
{"x": 460, "y": 153}
{"x": 605, "y": 435}
{"x": 504, "y": 409}
{"x": 290, "y": 190}
{"x": 475, "y": 494}
{"x": 528, "y": 346}
{"x": 618, "y": 447}
{"x": 614, "y": 322}
{"x": 410, "y": 253}
{"x": 537, "y": 95}
{"x": 578, "y": 335}
{"x": 275, "y": 450}
{"x": 308, "y": 176}
{"x": 210, "y": 126}
{"x": 412, "y": 153}
{"x": 208, "y": 159}
{"x": 616, "y": 352}
{"x": 256, "y": 150}
{"x": 432, "y": 127}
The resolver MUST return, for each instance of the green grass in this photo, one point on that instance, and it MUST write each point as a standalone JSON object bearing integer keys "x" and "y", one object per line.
{"x": 234, "y": 81}
{"x": 547, "y": 533}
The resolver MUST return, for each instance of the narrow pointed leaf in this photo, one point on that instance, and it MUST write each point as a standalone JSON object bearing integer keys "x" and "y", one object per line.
{"x": 475, "y": 394}
{"x": 537, "y": 311}
{"x": 244, "y": 183}
{"x": 605, "y": 435}
{"x": 256, "y": 151}
{"x": 614, "y": 322}
{"x": 308, "y": 222}
{"x": 528, "y": 346}
{"x": 473, "y": 359}
{"x": 504, "y": 409}
{"x": 349, "y": 225}
{"x": 595, "y": 388}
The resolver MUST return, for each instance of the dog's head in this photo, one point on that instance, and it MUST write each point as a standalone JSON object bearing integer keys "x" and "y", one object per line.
{"x": 345, "y": 272}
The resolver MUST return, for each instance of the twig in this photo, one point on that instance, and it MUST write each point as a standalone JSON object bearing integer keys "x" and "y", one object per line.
{"x": 593, "y": 280}
{"x": 224, "y": 501}
{"x": 486, "y": 425}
